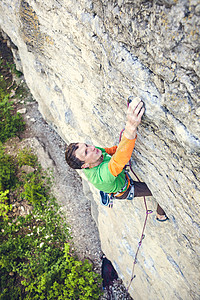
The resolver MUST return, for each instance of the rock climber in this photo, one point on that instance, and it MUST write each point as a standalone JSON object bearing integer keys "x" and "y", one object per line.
{"x": 104, "y": 167}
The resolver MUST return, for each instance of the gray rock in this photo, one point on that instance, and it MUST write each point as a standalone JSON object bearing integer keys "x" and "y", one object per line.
{"x": 22, "y": 111}
{"x": 27, "y": 169}
{"x": 81, "y": 61}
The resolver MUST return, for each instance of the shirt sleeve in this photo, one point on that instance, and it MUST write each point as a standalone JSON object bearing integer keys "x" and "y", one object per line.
{"x": 121, "y": 156}
{"x": 111, "y": 150}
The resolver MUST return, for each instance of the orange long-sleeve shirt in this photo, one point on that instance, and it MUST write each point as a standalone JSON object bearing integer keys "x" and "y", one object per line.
{"x": 120, "y": 155}
{"x": 111, "y": 150}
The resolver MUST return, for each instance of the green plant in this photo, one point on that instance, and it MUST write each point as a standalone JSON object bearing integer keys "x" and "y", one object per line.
{"x": 13, "y": 69}
{"x": 21, "y": 92}
{"x": 10, "y": 124}
{"x": 7, "y": 170}
{"x": 4, "y": 84}
{"x": 3, "y": 91}
{"x": 26, "y": 157}
{"x": 67, "y": 278}
{"x": 4, "y": 206}
{"x": 34, "y": 189}
{"x": 33, "y": 249}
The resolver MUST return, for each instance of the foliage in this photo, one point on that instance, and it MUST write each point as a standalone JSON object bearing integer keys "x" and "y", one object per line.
{"x": 35, "y": 257}
{"x": 68, "y": 278}
{"x": 7, "y": 170}
{"x": 10, "y": 124}
{"x": 3, "y": 88}
{"x": 4, "y": 206}
{"x": 26, "y": 157}
{"x": 21, "y": 92}
{"x": 3, "y": 91}
{"x": 33, "y": 248}
{"x": 35, "y": 190}
{"x": 13, "y": 69}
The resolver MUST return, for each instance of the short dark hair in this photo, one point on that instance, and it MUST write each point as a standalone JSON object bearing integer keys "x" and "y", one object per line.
{"x": 71, "y": 158}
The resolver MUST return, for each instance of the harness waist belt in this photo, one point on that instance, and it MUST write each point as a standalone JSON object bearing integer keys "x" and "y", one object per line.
{"x": 125, "y": 187}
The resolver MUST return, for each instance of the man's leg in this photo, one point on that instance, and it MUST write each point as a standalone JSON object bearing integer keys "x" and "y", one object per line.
{"x": 161, "y": 215}
{"x": 141, "y": 190}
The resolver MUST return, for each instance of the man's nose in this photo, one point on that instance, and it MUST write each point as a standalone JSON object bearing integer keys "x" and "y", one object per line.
{"x": 92, "y": 148}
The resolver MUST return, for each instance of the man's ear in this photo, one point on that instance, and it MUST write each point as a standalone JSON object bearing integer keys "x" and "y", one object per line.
{"x": 84, "y": 166}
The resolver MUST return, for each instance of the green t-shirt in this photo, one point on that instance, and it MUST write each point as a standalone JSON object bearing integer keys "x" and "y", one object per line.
{"x": 101, "y": 177}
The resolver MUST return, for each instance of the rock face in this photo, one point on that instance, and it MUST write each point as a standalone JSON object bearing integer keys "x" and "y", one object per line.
{"x": 81, "y": 60}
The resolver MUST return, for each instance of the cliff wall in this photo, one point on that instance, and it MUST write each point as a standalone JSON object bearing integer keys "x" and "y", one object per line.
{"x": 81, "y": 60}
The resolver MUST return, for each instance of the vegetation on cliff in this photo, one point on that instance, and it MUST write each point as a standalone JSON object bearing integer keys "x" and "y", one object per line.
{"x": 36, "y": 257}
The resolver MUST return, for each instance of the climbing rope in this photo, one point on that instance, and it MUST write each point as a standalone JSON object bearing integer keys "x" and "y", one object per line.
{"x": 146, "y": 217}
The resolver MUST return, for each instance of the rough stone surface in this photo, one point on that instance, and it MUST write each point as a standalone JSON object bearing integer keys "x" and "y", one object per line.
{"x": 81, "y": 60}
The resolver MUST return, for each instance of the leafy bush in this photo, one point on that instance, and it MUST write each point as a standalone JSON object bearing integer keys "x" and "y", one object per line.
{"x": 7, "y": 170}
{"x": 35, "y": 249}
{"x": 34, "y": 189}
{"x": 3, "y": 92}
{"x": 3, "y": 88}
{"x": 10, "y": 124}
{"x": 26, "y": 157}
{"x": 4, "y": 206}
{"x": 67, "y": 278}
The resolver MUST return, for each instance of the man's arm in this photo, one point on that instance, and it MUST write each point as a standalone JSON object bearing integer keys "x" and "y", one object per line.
{"x": 127, "y": 144}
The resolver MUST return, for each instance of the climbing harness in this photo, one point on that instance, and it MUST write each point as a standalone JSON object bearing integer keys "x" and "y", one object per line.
{"x": 132, "y": 189}
{"x": 107, "y": 199}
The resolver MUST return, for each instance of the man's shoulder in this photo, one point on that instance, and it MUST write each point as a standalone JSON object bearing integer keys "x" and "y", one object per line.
{"x": 100, "y": 172}
{"x": 100, "y": 148}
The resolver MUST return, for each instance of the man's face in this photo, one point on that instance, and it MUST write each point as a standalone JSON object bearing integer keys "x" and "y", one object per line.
{"x": 89, "y": 154}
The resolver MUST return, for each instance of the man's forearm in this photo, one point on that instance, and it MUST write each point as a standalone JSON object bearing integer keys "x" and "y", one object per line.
{"x": 130, "y": 132}
{"x": 127, "y": 144}
{"x": 122, "y": 155}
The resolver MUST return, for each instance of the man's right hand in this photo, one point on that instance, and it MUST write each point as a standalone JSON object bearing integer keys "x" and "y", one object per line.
{"x": 134, "y": 115}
